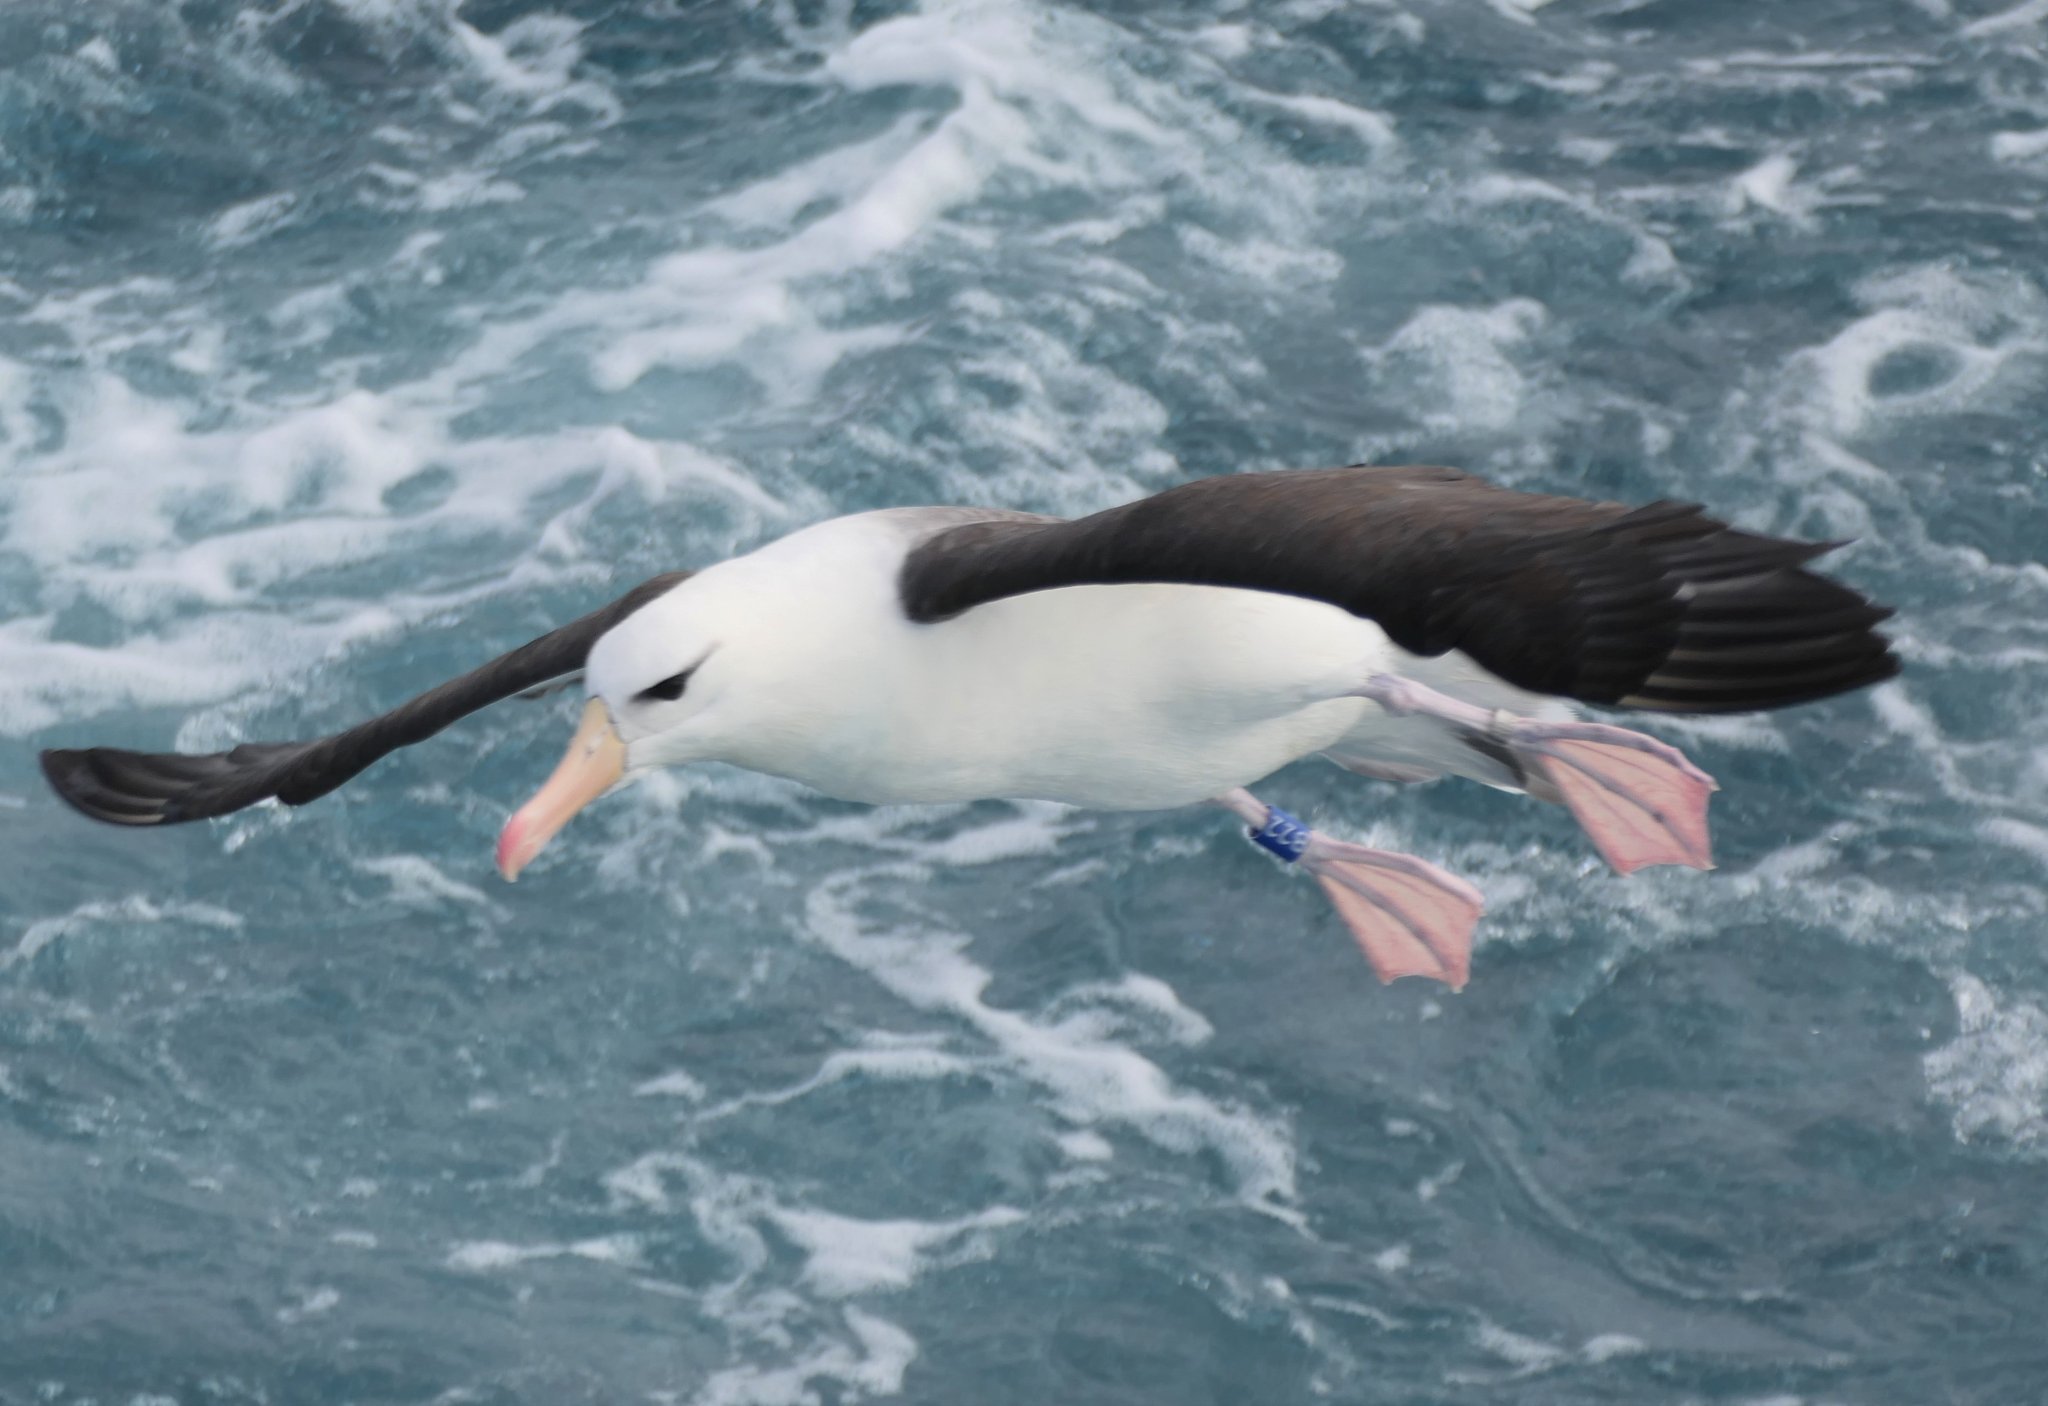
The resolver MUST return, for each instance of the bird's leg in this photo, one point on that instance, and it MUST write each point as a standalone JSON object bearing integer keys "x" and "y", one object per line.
{"x": 1408, "y": 916}
{"x": 1639, "y": 800}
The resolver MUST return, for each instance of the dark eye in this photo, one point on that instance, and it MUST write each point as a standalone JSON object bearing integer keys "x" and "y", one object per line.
{"x": 668, "y": 690}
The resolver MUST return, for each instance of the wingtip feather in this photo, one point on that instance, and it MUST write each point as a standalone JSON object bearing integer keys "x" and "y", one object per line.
{"x": 79, "y": 778}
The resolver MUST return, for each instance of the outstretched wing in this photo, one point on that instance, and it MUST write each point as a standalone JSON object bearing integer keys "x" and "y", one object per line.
{"x": 165, "y": 788}
{"x": 1658, "y": 607}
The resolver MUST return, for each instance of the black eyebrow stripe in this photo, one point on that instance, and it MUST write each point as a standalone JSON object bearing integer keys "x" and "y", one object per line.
{"x": 681, "y": 680}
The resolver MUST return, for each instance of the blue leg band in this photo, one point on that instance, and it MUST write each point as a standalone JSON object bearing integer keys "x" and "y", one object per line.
{"x": 1282, "y": 835}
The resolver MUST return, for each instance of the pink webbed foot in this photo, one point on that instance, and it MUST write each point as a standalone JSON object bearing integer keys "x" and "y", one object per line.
{"x": 1409, "y": 917}
{"x": 1640, "y": 801}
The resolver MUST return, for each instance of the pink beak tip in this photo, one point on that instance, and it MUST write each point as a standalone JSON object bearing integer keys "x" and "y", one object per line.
{"x": 593, "y": 765}
{"x": 509, "y": 861}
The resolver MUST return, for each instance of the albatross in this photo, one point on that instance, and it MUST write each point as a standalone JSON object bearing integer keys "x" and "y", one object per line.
{"x": 1406, "y": 623}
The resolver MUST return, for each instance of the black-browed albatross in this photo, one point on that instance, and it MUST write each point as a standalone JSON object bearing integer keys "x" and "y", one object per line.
{"x": 1407, "y": 623}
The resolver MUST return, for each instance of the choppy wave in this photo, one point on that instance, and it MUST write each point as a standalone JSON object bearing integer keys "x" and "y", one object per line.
{"x": 345, "y": 342}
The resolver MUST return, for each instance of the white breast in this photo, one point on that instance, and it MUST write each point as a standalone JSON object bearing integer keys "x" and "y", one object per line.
{"x": 1135, "y": 697}
{"x": 1116, "y": 697}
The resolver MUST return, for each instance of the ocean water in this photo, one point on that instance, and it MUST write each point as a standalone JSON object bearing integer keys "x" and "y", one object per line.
{"x": 345, "y": 343}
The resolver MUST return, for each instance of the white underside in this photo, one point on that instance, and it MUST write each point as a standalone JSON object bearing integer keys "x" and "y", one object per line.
{"x": 1114, "y": 697}
{"x": 1121, "y": 697}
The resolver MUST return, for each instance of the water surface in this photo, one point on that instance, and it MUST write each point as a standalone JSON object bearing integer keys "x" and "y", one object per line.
{"x": 345, "y": 343}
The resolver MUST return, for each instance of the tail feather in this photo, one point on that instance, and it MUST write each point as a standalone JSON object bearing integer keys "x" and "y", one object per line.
{"x": 1767, "y": 640}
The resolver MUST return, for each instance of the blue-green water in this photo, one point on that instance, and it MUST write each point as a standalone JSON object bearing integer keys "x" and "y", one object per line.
{"x": 344, "y": 343}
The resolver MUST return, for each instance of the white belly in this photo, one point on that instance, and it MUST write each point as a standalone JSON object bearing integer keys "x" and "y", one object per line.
{"x": 1115, "y": 697}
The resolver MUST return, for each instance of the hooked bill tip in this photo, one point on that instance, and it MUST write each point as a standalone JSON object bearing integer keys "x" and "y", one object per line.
{"x": 517, "y": 845}
{"x": 593, "y": 765}
{"x": 508, "y": 867}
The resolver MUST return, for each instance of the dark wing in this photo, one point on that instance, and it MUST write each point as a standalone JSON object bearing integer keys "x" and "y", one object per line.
{"x": 1654, "y": 607}
{"x": 164, "y": 788}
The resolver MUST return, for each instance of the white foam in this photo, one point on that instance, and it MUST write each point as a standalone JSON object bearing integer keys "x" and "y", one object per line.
{"x": 1994, "y": 1074}
{"x": 1946, "y": 342}
{"x": 1907, "y": 718}
{"x": 134, "y": 909}
{"x": 908, "y": 1059}
{"x": 1605, "y": 1347}
{"x": 1132, "y": 1005}
{"x": 1520, "y": 11}
{"x": 301, "y": 494}
{"x": 311, "y": 1305}
{"x": 849, "y": 1256}
{"x": 677, "y": 1083}
{"x": 418, "y": 882}
{"x": 933, "y": 833}
{"x": 726, "y": 1207}
{"x": 777, "y": 1333}
{"x": 1262, "y": 261}
{"x": 998, "y": 49}
{"x": 1526, "y": 1353}
{"x": 253, "y": 220}
{"x": 1090, "y": 1077}
{"x": 1082, "y": 1145}
{"x": 1754, "y": 733}
{"x": 489, "y": 1256}
{"x": 704, "y": 305}
{"x": 532, "y": 57}
{"x": 1455, "y": 366}
{"x": 873, "y": 1364}
{"x": 775, "y": 201}
{"x": 390, "y": 14}
{"x": 2018, "y": 834}
{"x": 1026, "y": 103}
{"x": 1225, "y": 41}
{"x": 1581, "y": 80}
{"x": 455, "y": 190}
{"x": 1652, "y": 260}
{"x": 2019, "y": 146}
{"x": 640, "y": 1182}
{"x": 529, "y": 65}
{"x": 1429, "y": 1188}
{"x": 1037, "y": 827}
{"x": 1588, "y": 151}
{"x": 1768, "y": 186}
{"x": 913, "y": 1062}
{"x": 1374, "y": 129}
{"x": 272, "y": 492}
{"x": 2025, "y": 15}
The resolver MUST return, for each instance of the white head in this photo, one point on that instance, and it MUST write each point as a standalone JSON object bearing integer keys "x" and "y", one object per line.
{"x": 656, "y": 682}
{"x": 740, "y": 663}
{"x": 661, "y": 674}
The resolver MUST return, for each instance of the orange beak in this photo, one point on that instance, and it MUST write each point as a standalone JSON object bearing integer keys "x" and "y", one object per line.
{"x": 595, "y": 762}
